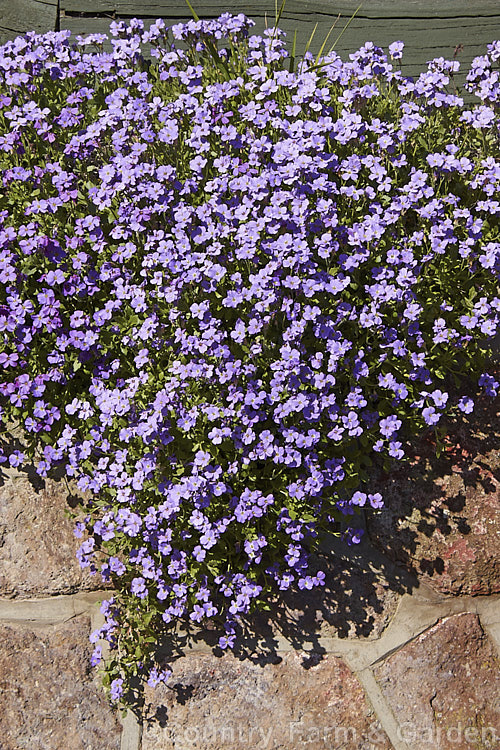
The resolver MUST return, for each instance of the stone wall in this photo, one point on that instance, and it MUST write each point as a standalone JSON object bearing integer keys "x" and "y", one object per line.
{"x": 400, "y": 650}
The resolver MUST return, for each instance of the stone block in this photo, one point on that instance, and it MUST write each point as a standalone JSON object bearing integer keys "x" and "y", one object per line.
{"x": 50, "y": 698}
{"x": 299, "y": 700}
{"x": 444, "y": 687}
{"x": 358, "y": 600}
{"x": 37, "y": 544}
{"x": 442, "y": 516}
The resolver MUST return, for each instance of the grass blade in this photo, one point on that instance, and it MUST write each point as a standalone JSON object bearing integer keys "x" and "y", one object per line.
{"x": 318, "y": 56}
{"x": 310, "y": 40}
{"x": 278, "y": 16}
{"x": 291, "y": 63}
{"x": 345, "y": 27}
{"x": 279, "y": 13}
{"x": 193, "y": 12}
{"x": 308, "y": 45}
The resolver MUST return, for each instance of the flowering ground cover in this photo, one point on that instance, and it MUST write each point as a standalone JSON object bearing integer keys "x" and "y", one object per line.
{"x": 229, "y": 282}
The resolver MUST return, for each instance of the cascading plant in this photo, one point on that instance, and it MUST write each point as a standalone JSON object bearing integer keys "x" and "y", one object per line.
{"x": 226, "y": 286}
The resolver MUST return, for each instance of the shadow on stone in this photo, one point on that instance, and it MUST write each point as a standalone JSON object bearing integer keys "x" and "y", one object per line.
{"x": 161, "y": 716}
{"x": 441, "y": 518}
{"x": 359, "y": 598}
{"x": 438, "y": 527}
{"x": 239, "y": 704}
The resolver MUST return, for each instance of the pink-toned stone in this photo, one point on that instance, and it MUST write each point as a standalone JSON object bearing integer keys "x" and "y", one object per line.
{"x": 48, "y": 698}
{"x": 444, "y": 687}
{"x": 37, "y": 544}
{"x": 442, "y": 516}
{"x": 227, "y": 704}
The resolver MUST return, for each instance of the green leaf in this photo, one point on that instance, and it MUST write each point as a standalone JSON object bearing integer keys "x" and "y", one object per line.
{"x": 278, "y": 15}
{"x": 307, "y": 517}
{"x": 310, "y": 40}
{"x": 291, "y": 62}
{"x": 345, "y": 28}
{"x": 318, "y": 56}
{"x": 193, "y": 12}
{"x": 213, "y": 567}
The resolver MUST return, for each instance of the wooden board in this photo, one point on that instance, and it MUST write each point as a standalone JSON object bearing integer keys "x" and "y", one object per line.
{"x": 19, "y": 16}
{"x": 421, "y": 43}
{"x": 370, "y": 8}
{"x": 429, "y": 28}
{"x": 418, "y": 36}
{"x": 417, "y": 53}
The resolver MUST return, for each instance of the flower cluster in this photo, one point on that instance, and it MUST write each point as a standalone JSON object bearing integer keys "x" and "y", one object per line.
{"x": 226, "y": 287}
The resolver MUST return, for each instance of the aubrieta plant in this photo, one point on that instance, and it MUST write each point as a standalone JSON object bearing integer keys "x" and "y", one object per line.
{"x": 227, "y": 284}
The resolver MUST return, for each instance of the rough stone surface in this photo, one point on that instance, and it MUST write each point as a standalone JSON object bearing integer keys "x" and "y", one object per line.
{"x": 49, "y": 700}
{"x": 37, "y": 544}
{"x": 302, "y": 701}
{"x": 444, "y": 687}
{"x": 442, "y": 516}
{"x": 358, "y": 600}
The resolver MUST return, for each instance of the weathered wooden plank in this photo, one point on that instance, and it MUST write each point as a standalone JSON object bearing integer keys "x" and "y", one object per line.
{"x": 425, "y": 38}
{"x": 420, "y": 33}
{"x": 369, "y": 9}
{"x": 440, "y": 33}
{"x": 484, "y": 26}
{"x": 397, "y": 9}
{"x": 419, "y": 36}
{"x": 160, "y": 8}
{"x": 420, "y": 48}
{"x": 487, "y": 26}
{"x": 23, "y": 15}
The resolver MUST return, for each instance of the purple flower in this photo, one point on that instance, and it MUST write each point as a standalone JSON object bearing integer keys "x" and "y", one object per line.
{"x": 227, "y": 641}
{"x": 396, "y": 50}
{"x": 16, "y": 458}
{"x": 116, "y": 691}
{"x": 8, "y": 360}
{"x": 156, "y": 677}
{"x": 116, "y": 565}
{"x": 430, "y": 415}
{"x": 466, "y": 405}
{"x": 440, "y": 398}
{"x": 138, "y": 587}
{"x": 376, "y": 500}
{"x": 353, "y": 536}
{"x": 395, "y": 449}
{"x": 359, "y": 498}
{"x": 389, "y": 425}
{"x": 96, "y": 657}
{"x": 489, "y": 383}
